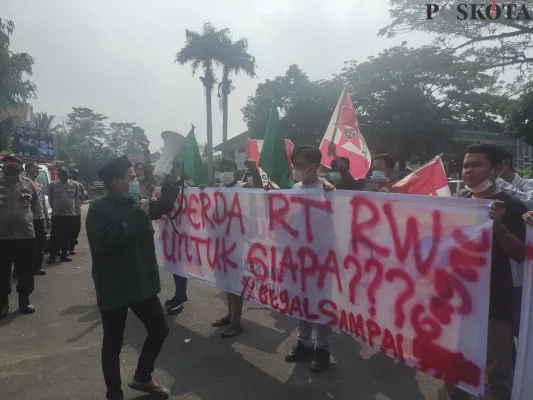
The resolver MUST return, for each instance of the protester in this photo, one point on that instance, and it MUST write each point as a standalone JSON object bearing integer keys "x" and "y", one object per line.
{"x": 340, "y": 173}
{"x": 227, "y": 173}
{"x": 176, "y": 304}
{"x": 74, "y": 176}
{"x": 62, "y": 197}
{"x": 481, "y": 165}
{"x": 118, "y": 223}
{"x": 512, "y": 184}
{"x": 18, "y": 199}
{"x": 306, "y": 161}
{"x": 41, "y": 219}
{"x": 145, "y": 184}
{"x": 382, "y": 167}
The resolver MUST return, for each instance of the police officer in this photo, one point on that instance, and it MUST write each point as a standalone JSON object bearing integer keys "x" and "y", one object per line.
{"x": 74, "y": 175}
{"x": 41, "y": 219}
{"x": 62, "y": 197}
{"x": 18, "y": 199}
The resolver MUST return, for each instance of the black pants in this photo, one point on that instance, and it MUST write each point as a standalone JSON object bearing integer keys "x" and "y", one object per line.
{"x": 151, "y": 315}
{"x": 76, "y": 232}
{"x": 21, "y": 254}
{"x": 40, "y": 238}
{"x": 61, "y": 235}
{"x": 180, "y": 283}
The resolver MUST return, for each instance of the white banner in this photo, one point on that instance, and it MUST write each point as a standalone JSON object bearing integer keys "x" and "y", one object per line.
{"x": 523, "y": 387}
{"x": 408, "y": 275}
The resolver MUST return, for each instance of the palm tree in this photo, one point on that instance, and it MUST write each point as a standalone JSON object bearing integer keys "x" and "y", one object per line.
{"x": 44, "y": 121}
{"x": 205, "y": 50}
{"x": 235, "y": 59}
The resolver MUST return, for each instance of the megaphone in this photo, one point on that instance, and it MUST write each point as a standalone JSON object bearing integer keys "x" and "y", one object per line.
{"x": 174, "y": 144}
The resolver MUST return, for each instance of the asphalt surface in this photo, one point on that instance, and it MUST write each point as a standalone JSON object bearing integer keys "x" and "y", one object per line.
{"x": 54, "y": 354}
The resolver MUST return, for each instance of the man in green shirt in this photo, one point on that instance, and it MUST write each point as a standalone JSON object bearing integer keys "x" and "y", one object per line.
{"x": 125, "y": 271}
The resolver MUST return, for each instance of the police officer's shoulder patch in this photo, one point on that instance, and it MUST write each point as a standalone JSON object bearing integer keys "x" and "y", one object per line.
{"x": 27, "y": 184}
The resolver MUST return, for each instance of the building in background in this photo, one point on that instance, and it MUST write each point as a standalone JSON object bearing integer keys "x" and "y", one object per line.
{"x": 236, "y": 149}
{"x": 522, "y": 152}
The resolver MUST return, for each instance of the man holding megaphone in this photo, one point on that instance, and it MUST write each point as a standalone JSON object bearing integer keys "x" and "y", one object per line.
{"x": 125, "y": 271}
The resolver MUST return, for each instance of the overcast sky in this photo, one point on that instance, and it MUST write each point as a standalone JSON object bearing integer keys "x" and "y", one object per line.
{"x": 117, "y": 56}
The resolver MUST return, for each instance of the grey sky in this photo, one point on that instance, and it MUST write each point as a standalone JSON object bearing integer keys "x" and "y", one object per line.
{"x": 117, "y": 56}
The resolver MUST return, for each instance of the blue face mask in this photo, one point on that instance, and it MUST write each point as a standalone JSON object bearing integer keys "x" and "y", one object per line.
{"x": 133, "y": 190}
{"x": 377, "y": 176}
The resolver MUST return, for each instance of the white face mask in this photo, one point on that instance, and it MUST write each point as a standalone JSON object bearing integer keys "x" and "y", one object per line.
{"x": 483, "y": 186}
{"x": 227, "y": 177}
{"x": 299, "y": 176}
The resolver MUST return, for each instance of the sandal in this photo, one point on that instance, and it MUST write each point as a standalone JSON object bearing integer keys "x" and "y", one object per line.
{"x": 230, "y": 331}
{"x": 225, "y": 321}
{"x": 151, "y": 387}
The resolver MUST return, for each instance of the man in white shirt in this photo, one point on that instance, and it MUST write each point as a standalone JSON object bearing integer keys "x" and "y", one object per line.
{"x": 231, "y": 322}
{"x": 512, "y": 184}
{"x": 306, "y": 161}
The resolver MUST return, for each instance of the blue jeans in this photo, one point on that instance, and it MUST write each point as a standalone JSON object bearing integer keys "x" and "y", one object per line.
{"x": 323, "y": 334}
{"x": 181, "y": 288}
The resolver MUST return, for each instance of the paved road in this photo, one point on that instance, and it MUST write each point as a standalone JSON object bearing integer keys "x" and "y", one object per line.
{"x": 54, "y": 354}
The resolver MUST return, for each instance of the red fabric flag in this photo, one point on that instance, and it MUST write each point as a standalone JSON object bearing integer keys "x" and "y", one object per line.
{"x": 429, "y": 180}
{"x": 348, "y": 139}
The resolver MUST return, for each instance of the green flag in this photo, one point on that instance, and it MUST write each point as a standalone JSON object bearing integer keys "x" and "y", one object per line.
{"x": 192, "y": 162}
{"x": 273, "y": 159}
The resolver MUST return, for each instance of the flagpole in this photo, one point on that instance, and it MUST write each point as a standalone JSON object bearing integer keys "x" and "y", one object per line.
{"x": 437, "y": 157}
{"x": 339, "y": 114}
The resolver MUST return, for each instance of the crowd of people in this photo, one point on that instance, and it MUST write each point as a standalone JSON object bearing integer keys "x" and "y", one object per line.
{"x": 24, "y": 217}
{"x": 121, "y": 220}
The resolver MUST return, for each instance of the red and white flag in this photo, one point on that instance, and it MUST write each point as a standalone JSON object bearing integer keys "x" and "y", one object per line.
{"x": 343, "y": 130}
{"x": 254, "y": 151}
{"x": 428, "y": 180}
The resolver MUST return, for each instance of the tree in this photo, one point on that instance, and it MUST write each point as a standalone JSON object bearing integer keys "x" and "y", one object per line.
{"x": 15, "y": 88}
{"x": 205, "y": 50}
{"x": 305, "y": 106}
{"x": 126, "y": 138}
{"x": 44, "y": 121}
{"x": 410, "y": 101}
{"x": 86, "y": 131}
{"x": 520, "y": 118}
{"x": 235, "y": 59}
{"x": 497, "y": 43}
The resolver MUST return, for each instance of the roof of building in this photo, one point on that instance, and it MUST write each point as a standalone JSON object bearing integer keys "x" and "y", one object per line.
{"x": 233, "y": 143}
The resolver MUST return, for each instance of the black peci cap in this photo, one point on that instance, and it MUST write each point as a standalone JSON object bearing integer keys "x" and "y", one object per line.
{"x": 114, "y": 169}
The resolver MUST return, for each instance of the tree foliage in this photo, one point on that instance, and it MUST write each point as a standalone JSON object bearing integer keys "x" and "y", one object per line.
{"x": 126, "y": 138}
{"x": 204, "y": 50}
{"x": 235, "y": 59}
{"x": 520, "y": 118}
{"x": 84, "y": 139}
{"x": 409, "y": 101}
{"x": 44, "y": 121}
{"x": 305, "y": 106}
{"x": 490, "y": 44}
{"x": 15, "y": 87}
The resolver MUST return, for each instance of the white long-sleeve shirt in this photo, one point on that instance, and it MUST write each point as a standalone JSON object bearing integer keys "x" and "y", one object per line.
{"x": 522, "y": 189}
